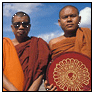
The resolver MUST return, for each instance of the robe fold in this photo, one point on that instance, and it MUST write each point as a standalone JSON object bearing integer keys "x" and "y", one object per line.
{"x": 11, "y": 65}
{"x": 34, "y": 56}
{"x": 81, "y": 43}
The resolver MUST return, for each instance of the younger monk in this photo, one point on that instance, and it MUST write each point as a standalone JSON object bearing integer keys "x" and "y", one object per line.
{"x": 74, "y": 39}
{"x": 24, "y": 58}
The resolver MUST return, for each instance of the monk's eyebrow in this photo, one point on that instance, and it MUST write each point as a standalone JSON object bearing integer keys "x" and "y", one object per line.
{"x": 66, "y": 16}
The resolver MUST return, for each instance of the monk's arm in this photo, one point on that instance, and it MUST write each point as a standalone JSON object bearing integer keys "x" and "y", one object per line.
{"x": 51, "y": 42}
{"x": 36, "y": 84}
{"x": 8, "y": 85}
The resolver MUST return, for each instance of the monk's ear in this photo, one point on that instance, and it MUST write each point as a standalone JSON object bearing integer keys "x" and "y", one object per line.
{"x": 29, "y": 26}
{"x": 59, "y": 22}
{"x": 12, "y": 28}
{"x": 79, "y": 18}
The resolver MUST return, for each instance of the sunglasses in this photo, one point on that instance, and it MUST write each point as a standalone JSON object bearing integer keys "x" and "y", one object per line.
{"x": 24, "y": 24}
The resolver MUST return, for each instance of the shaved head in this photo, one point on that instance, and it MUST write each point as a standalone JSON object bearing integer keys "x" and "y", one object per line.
{"x": 66, "y": 7}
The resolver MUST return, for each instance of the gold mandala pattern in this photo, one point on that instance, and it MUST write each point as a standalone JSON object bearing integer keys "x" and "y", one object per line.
{"x": 71, "y": 75}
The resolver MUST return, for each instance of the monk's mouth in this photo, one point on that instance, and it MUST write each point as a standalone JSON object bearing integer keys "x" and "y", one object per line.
{"x": 21, "y": 32}
{"x": 69, "y": 25}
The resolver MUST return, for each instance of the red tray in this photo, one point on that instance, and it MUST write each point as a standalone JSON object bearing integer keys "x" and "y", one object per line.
{"x": 70, "y": 71}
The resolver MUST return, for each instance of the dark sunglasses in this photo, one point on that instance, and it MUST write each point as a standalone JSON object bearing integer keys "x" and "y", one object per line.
{"x": 24, "y": 24}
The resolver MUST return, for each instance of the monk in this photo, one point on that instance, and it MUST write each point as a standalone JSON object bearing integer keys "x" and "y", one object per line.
{"x": 24, "y": 58}
{"x": 75, "y": 38}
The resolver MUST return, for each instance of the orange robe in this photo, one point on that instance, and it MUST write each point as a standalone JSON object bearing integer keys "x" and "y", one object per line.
{"x": 81, "y": 43}
{"x": 11, "y": 65}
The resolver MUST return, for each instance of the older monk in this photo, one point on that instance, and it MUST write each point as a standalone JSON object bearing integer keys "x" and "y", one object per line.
{"x": 24, "y": 58}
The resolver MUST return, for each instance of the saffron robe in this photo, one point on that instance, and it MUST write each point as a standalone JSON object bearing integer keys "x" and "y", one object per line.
{"x": 11, "y": 65}
{"x": 33, "y": 55}
{"x": 81, "y": 43}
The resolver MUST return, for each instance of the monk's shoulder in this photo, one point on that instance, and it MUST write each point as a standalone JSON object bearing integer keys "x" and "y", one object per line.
{"x": 6, "y": 40}
{"x": 54, "y": 41}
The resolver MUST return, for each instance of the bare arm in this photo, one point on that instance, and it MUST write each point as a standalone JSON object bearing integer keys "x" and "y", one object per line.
{"x": 55, "y": 40}
{"x": 8, "y": 85}
{"x": 36, "y": 84}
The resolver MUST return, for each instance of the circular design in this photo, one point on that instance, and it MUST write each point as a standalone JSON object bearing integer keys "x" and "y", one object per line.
{"x": 71, "y": 74}
{"x": 70, "y": 71}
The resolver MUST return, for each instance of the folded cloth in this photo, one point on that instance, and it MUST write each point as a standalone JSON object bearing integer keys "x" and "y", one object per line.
{"x": 34, "y": 56}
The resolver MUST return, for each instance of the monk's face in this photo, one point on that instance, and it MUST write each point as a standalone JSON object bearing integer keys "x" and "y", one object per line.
{"x": 20, "y": 26}
{"x": 69, "y": 19}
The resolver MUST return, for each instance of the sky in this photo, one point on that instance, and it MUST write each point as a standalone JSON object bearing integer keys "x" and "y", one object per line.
{"x": 44, "y": 18}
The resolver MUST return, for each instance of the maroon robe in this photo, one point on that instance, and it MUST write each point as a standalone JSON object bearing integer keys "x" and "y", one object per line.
{"x": 34, "y": 55}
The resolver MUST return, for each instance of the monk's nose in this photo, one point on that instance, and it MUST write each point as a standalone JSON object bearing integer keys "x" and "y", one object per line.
{"x": 21, "y": 26}
{"x": 69, "y": 19}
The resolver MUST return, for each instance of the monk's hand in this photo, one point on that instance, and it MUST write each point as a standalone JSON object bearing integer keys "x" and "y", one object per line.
{"x": 49, "y": 87}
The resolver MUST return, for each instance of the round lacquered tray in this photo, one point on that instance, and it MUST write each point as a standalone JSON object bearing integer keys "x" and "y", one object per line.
{"x": 70, "y": 71}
